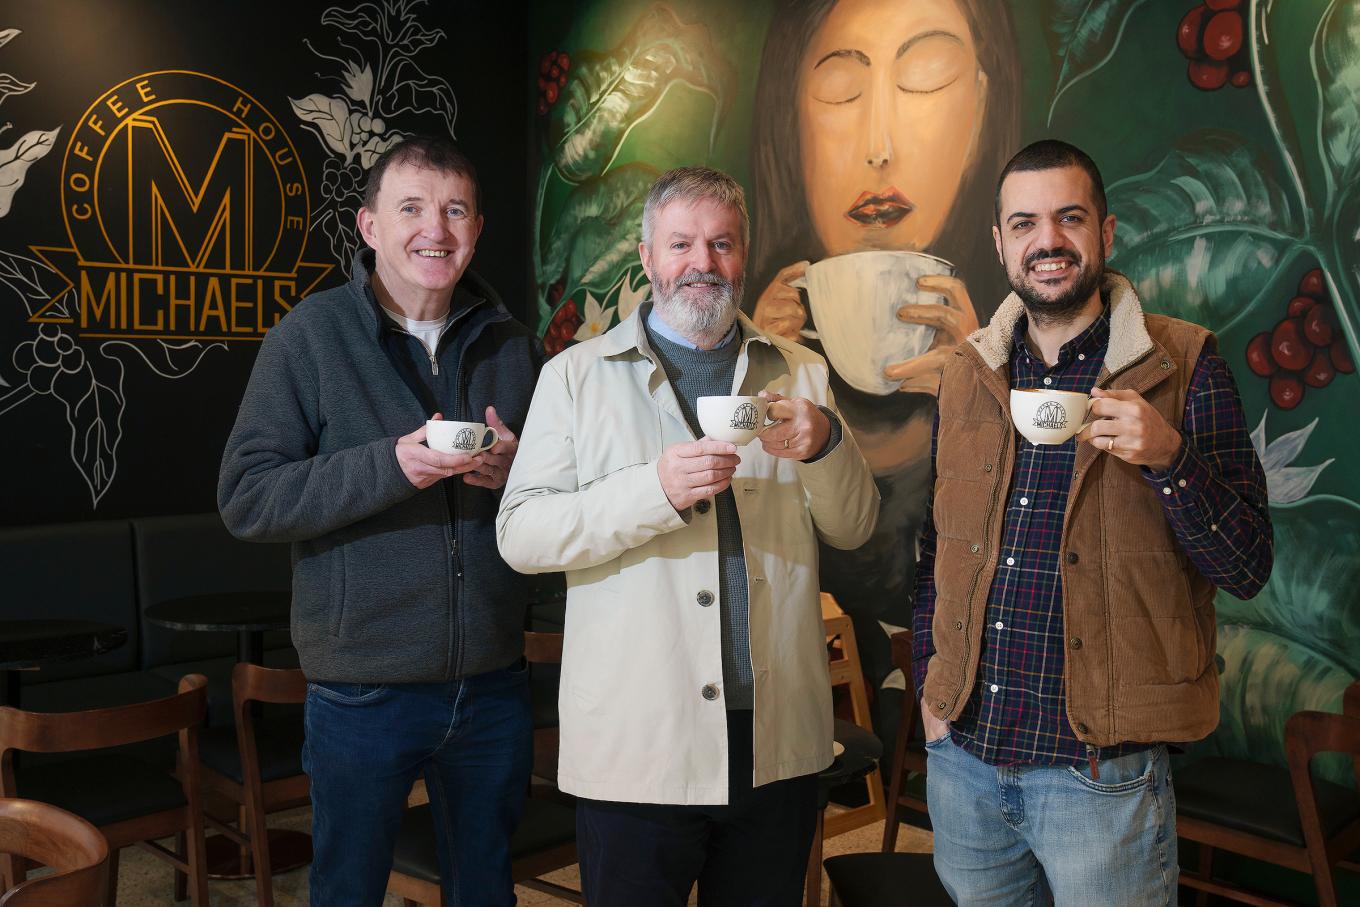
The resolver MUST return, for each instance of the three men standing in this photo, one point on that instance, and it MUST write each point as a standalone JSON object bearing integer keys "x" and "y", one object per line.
{"x": 695, "y": 701}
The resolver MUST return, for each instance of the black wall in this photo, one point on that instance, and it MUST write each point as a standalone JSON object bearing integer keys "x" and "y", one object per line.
{"x": 125, "y": 424}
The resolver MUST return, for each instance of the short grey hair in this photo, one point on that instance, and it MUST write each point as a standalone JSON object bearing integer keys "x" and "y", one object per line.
{"x": 692, "y": 184}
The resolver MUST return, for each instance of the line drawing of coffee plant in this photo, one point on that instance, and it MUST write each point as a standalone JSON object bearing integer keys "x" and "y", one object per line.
{"x": 378, "y": 81}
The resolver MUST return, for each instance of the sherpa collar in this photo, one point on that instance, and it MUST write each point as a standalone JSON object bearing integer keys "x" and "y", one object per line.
{"x": 1129, "y": 339}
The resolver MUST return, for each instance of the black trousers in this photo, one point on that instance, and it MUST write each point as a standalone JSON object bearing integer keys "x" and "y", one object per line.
{"x": 752, "y": 852}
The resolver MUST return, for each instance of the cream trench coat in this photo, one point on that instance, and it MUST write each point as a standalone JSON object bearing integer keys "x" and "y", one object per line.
{"x": 584, "y": 496}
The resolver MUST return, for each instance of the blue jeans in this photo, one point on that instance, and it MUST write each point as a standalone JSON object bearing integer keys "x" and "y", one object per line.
{"x": 366, "y": 745}
{"x": 1022, "y": 834}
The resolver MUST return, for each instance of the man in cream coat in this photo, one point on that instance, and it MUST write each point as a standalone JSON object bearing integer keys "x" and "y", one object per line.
{"x": 695, "y": 703}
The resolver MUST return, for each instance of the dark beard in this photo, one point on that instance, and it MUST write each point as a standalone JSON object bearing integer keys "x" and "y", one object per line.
{"x": 1061, "y": 309}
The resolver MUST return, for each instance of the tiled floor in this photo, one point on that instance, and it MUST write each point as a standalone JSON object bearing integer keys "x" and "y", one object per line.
{"x": 145, "y": 881}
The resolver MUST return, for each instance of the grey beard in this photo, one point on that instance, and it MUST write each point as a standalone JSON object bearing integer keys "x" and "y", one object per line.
{"x": 703, "y": 324}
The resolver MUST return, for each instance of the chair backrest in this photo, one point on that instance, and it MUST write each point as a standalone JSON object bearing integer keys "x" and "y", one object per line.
{"x": 72, "y": 847}
{"x": 542, "y": 648}
{"x": 904, "y": 761}
{"x": 1307, "y": 734}
{"x": 65, "y": 732}
{"x": 256, "y": 683}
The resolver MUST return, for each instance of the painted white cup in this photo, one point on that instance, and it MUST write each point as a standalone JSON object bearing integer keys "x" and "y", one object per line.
{"x": 1049, "y": 417}
{"x": 738, "y": 420}
{"x": 459, "y": 437}
{"x": 854, "y": 301}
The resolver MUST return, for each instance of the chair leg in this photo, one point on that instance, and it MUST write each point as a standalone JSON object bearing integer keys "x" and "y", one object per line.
{"x": 181, "y": 879}
{"x": 111, "y": 899}
{"x": 1206, "y": 869}
{"x": 197, "y": 858}
{"x": 813, "y": 897}
{"x": 253, "y": 818}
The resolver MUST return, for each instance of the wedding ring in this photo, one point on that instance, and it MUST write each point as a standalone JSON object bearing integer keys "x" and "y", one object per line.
{"x": 786, "y": 443}
{"x": 1110, "y": 446}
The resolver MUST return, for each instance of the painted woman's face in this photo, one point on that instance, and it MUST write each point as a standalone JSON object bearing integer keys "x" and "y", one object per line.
{"x": 890, "y": 103}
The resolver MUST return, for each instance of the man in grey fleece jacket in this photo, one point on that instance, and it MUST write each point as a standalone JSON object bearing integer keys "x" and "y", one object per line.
{"x": 407, "y": 621}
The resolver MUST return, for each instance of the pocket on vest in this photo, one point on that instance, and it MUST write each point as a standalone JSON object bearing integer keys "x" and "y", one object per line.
{"x": 1158, "y": 650}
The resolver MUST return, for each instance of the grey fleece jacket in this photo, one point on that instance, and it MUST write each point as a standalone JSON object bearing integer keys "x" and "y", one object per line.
{"x": 390, "y": 584}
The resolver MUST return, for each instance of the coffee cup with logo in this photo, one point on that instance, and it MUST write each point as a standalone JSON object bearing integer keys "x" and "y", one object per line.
{"x": 1046, "y": 416}
{"x": 459, "y": 437}
{"x": 738, "y": 420}
{"x": 854, "y": 300}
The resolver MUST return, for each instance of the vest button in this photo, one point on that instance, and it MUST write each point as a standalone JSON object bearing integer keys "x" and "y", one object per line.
{"x": 709, "y": 692}
{"x": 1082, "y": 729}
{"x": 975, "y": 548}
{"x": 1072, "y": 557}
{"x": 958, "y": 625}
{"x": 1076, "y": 642}
{"x": 702, "y": 506}
{"x": 987, "y": 468}
{"x": 704, "y": 598}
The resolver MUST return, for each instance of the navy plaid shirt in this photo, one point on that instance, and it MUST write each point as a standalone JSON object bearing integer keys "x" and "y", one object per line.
{"x": 1214, "y": 498}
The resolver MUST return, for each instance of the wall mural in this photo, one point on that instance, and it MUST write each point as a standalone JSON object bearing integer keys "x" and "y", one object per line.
{"x": 165, "y": 205}
{"x": 1229, "y": 137}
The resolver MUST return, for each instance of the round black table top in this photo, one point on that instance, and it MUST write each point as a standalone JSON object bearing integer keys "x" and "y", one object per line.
{"x": 34, "y": 643}
{"x": 234, "y": 612}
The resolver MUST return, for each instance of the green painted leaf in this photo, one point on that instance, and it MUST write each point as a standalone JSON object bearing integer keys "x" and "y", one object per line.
{"x": 600, "y": 214}
{"x": 1336, "y": 60}
{"x": 1202, "y": 233}
{"x": 1086, "y": 34}
{"x": 1265, "y": 679}
{"x": 1310, "y": 597}
{"x": 608, "y": 94}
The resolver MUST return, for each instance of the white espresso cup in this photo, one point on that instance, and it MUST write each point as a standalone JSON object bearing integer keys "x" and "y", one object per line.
{"x": 459, "y": 437}
{"x": 854, "y": 301}
{"x": 1048, "y": 417}
{"x": 738, "y": 420}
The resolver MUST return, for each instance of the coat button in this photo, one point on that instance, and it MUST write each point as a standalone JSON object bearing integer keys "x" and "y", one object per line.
{"x": 975, "y": 548}
{"x": 940, "y": 705}
{"x": 1166, "y": 365}
{"x": 709, "y": 692}
{"x": 702, "y": 506}
{"x": 987, "y": 468}
{"x": 958, "y": 625}
{"x": 1082, "y": 729}
{"x": 1072, "y": 557}
{"x": 1076, "y": 642}
{"x": 704, "y": 598}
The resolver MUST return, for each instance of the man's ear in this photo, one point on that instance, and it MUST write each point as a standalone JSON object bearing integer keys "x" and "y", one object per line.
{"x": 645, "y": 254}
{"x": 1107, "y": 234}
{"x": 364, "y": 219}
{"x": 996, "y": 240}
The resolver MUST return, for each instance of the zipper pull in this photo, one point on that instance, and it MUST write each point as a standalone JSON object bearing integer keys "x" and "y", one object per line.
{"x": 1094, "y": 762}
{"x": 434, "y": 364}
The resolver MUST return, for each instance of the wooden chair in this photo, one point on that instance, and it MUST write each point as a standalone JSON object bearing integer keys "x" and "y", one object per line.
{"x": 544, "y": 841}
{"x": 846, "y": 671}
{"x": 888, "y": 878}
{"x": 258, "y": 764}
{"x": 72, "y": 847}
{"x": 129, "y": 801}
{"x": 1278, "y": 815}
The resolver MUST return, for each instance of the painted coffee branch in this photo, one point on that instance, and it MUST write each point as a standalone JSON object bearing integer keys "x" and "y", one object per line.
{"x": 176, "y": 179}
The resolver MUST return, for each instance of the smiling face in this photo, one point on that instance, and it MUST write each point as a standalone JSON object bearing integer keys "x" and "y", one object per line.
{"x": 1052, "y": 241}
{"x": 423, "y": 230}
{"x": 695, "y": 259}
{"x": 890, "y": 104}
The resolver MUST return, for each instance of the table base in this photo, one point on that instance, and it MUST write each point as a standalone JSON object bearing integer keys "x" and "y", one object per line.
{"x": 287, "y": 850}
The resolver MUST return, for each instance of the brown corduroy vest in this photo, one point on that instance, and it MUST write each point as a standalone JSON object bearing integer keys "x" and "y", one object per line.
{"x": 1138, "y": 618}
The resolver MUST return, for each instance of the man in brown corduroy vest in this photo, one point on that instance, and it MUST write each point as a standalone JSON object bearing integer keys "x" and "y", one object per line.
{"x": 1064, "y": 625}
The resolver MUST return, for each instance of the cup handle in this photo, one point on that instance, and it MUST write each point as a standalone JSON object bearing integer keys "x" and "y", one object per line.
{"x": 495, "y": 439}
{"x": 1087, "y": 417}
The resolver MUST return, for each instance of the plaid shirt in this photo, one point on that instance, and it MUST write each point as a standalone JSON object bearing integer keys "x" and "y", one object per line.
{"x": 1214, "y": 498}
